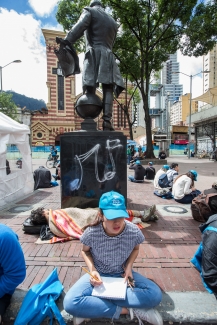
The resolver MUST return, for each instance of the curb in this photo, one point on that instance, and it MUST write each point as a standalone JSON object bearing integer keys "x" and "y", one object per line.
{"x": 181, "y": 307}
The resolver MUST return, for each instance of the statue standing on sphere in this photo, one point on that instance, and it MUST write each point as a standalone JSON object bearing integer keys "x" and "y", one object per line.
{"x": 100, "y": 31}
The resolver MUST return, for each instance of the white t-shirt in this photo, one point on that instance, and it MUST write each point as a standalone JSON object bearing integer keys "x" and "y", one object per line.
{"x": 156, "y": 179}
{"x": 181, "y": 187}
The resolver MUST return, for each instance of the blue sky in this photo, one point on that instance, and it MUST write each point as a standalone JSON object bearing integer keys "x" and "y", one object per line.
{"x": 21, "y": 38}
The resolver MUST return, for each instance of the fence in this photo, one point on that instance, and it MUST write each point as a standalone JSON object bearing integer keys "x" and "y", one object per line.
{"x": 43, "y": 151}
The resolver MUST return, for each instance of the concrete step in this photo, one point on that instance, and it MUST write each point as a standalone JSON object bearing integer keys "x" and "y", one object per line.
{"x": 176, "y": 307}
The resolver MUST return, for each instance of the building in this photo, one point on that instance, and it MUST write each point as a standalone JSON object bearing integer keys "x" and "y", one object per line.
{"x": 180, "y": 110}
{"x": 210, "y": 64}
{"x": 205, "y": 122}
{"x": 170, "y": 78}
{"x": 60, "y": 116}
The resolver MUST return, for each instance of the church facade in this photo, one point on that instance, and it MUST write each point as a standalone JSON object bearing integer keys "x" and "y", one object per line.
{"x": 60, "y": 117}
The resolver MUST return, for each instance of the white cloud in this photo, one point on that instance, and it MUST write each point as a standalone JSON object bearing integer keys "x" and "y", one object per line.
{"x": 191, "y": 66}
{"x": 43, "y": 7}
{"x": 23, "y": 40}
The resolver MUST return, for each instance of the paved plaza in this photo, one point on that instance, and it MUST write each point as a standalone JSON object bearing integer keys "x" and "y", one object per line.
{"x": 164, "y": 257}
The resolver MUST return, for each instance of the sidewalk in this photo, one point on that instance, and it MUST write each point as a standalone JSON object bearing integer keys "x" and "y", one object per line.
{"x": 164, "y": 256}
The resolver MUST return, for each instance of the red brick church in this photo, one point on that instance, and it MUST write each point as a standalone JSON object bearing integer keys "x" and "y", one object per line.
{"x": 60, "y": 116}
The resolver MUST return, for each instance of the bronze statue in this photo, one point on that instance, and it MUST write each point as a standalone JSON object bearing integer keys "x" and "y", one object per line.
{"x": 100, "y": 31}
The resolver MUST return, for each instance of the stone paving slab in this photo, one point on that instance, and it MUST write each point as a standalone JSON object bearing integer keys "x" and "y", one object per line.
{"x": 164, "y": 257}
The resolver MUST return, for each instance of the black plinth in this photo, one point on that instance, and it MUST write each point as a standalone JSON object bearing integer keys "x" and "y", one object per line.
{"x": 92, "y": 163}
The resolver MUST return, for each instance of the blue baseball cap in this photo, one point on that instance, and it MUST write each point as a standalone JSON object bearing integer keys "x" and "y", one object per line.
{"x": 194, "y": 173}
{"x": 166, "y": 167}
{"x": 138, "y": 162}
{"x": 113, "y": 205}
{"x": 151, "y": 163}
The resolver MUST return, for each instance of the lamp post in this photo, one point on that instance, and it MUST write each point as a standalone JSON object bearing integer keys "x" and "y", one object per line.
{"x": 189, "y": 127}
{"x": 15, "y": 61}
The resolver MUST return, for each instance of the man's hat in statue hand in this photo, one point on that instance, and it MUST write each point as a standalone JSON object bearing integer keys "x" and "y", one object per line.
{"x": 67, "y": 56}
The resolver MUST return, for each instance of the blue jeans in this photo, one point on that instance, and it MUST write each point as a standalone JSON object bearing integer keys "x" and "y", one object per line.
{"x": 128, "y": 159}
{"x": 132, "y": 179}
{"x": 189, "y": 197}
{"x": 80, "y": 303}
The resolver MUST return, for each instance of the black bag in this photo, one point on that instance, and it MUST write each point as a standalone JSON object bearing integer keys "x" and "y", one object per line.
{"x": 163, "y": 181}
{"x": 45, "y": 233}
{"x": 30, "y": 228}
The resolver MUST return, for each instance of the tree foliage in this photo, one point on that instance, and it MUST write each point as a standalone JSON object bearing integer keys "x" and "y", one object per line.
{"x": 29, "y": 103}
{"x": 150, "y": 30}
{"x": 7, "y": 106}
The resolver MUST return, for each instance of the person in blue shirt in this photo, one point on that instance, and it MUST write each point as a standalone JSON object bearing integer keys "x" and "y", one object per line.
{"x": 53, "y": 150}
{"x": 12, "y": 266}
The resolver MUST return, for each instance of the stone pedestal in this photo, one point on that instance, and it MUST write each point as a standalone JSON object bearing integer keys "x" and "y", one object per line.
{"x": 92, "y": 163}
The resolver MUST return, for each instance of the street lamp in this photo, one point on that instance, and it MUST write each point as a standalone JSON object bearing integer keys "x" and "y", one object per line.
{"x": 189, "y": 127}
{"x": 15, "y": 61}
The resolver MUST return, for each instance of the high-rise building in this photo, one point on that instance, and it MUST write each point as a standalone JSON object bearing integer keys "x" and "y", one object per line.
{"x": 210, "y": 64}
{"x": 170, "y": 80}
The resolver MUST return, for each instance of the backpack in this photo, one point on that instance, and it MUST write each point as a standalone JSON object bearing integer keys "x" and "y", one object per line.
{"x": 200, "y": 208}
{"x": 163, "y": 181}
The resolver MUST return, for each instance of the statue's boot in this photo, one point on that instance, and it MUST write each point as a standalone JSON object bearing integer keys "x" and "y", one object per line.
{"x": 107, "y": 107}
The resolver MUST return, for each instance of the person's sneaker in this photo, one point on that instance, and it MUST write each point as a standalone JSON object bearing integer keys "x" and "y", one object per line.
{"x": 78, "y": 320}
{"x": 154, "y": 217}
{"x": 151, "y": 316}
{"x": 148, "y": 213}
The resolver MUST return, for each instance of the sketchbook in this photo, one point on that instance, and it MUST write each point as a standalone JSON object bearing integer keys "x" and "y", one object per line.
{"x": 111, "y": 288}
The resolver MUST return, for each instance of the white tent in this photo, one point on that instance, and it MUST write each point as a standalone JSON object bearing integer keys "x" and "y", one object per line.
{"x": 19, "y": 183}
{"x": 209, "y": 97}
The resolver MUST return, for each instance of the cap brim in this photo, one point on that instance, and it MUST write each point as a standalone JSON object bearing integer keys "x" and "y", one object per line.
{"x": 111, "y": 214}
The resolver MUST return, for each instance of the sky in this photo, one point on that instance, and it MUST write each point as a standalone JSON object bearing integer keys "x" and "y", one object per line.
{"x": 21, "y": 38}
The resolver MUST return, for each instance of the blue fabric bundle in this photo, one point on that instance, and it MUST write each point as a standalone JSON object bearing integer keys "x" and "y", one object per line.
{"x": 39, "y": 302}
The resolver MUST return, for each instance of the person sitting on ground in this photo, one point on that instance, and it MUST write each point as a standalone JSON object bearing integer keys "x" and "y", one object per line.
{"x": 109, "y": 233}
{"x": 12, "y": 266}
{"x": 139, "y": 172}
{"x": 162, "y": 155}
{"x": 172, "y": 173}
{"x": 150, "y": 171}
{"x": 212, "y": 200}
{"x": 160, "y": 172}
{"x": 42, "y": 178}
{"x": 203, "y": 154}
{"x": 183, "y": 189}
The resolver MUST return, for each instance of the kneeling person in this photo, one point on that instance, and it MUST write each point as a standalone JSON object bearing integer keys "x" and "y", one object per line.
{"x": 139, "y": 172}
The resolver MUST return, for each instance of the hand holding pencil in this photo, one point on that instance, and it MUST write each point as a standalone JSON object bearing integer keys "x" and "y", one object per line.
{"x": 95, "y": 279}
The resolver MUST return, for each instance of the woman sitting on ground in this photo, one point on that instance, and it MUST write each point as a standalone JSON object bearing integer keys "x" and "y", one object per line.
{"x": 183, "y": 187}
{"x": 110, "y": 247}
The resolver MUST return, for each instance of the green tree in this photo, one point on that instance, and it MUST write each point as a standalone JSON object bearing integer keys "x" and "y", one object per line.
{"x": 7, "y": 106}
{"x": 129, "y": 104}
{"x": 149, "y": 31}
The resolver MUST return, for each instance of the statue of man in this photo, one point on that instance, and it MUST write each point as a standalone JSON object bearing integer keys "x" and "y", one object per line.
{"x": 100, "y": 31}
